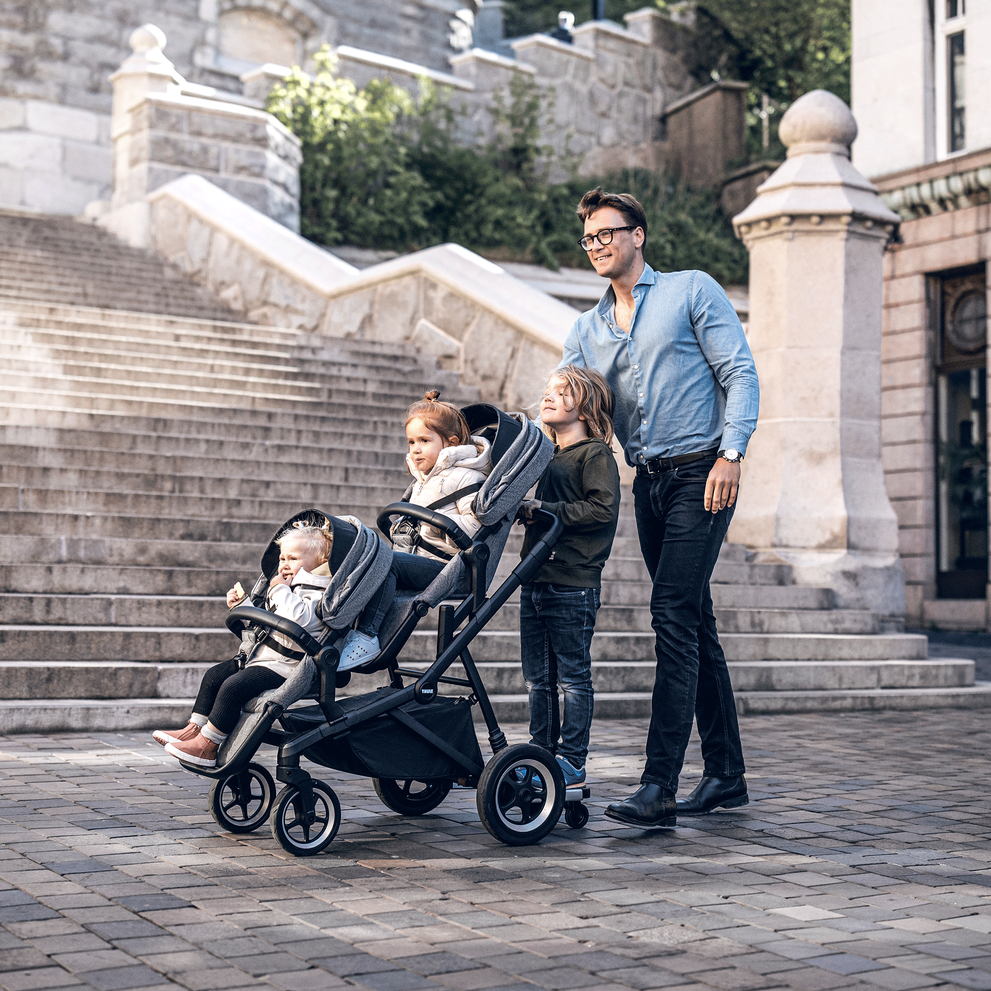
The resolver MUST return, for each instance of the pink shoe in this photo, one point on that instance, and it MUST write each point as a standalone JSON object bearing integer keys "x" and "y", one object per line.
{"x": 199, "y": 751}
{"x": 173, "y": 735}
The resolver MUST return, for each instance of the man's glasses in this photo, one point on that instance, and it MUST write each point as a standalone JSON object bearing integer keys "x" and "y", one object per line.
{"x": 604, "y": 237}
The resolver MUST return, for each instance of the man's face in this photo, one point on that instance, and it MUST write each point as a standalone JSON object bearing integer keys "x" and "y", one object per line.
{"x": 622, "y": 255}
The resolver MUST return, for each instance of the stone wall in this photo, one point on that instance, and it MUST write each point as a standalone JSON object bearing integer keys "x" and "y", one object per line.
{"x": 605, "y": 92}
{"x": 56, "y": 59}
{"x": 500, "y": 334}
{"x": 246, "y": 152}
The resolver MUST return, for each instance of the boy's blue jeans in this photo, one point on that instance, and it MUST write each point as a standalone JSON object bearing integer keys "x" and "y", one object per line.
{"x": 556, "y": 626}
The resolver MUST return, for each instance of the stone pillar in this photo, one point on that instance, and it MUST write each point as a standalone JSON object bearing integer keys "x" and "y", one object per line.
{"x": 145, "y": 72}
{"x": 813, "y": 491}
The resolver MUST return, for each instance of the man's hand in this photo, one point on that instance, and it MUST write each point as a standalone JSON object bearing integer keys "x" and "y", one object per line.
{"x": 722, "y": 485}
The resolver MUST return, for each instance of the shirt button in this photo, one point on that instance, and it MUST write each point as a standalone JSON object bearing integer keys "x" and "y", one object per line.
{"x": 645, "y": 423}
{"x": 641, "y": 395}
{"x": 635, "y": 367}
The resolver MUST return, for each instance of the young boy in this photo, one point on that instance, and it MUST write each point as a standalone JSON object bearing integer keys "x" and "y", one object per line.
{"x": 558, "y": 609}
{"x": 293, "y": 592}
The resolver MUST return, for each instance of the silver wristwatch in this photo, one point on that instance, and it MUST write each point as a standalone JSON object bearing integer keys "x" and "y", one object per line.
{"x": 731, "y": 455}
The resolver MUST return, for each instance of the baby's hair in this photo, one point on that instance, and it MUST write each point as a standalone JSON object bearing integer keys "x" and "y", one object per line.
{"x": 311, "y": 538}
{"x": 591, "y": 396}
{"x": 443, "y": 418}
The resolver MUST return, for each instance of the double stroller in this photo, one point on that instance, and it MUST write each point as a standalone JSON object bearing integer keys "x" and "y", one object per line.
{"x": 414, "y": 741}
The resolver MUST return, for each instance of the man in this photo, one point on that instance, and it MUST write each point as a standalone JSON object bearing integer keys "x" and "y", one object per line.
{"x": 671, "y": 347}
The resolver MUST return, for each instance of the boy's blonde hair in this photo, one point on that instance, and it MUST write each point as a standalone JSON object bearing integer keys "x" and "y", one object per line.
{"x": 312, "y": 538}
{"x": 591, "y": 396}
{"x": 444, "y": 419}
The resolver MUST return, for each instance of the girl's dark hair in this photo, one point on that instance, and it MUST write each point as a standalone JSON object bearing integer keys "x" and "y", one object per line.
{"x": 626, "y": 203}
{"x": 591, "y": 396}
{"x": 443, "y": 418}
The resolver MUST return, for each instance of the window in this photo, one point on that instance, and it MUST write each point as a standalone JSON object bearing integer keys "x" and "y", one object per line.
{"x": 955, "y": 8}
{"x": 961, "y": 437}
{"x": 956, "y": 91}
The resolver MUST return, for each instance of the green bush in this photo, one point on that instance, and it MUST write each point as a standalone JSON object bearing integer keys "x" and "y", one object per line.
{"x": 383, "y": 170}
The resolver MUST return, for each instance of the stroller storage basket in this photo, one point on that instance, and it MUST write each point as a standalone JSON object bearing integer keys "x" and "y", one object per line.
{"x": 389, "y": 746}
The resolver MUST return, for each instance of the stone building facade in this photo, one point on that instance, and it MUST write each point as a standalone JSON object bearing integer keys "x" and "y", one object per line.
{"x": 56, "y": 59}
{"x": 616, "y": 96}
{"x": 926, "y": 144}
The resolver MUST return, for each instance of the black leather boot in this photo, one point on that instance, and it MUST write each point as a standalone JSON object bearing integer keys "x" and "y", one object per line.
{"x": 715, "y": 793}
{"x": 649, "y": 805}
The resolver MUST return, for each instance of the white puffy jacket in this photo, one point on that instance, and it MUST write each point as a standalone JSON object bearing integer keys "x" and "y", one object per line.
{"x": 455, "y": 468}
{"x": 299, "y": 604}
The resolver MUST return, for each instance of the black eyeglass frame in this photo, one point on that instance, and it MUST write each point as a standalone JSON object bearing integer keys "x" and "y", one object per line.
{"x": 597, "y": 236}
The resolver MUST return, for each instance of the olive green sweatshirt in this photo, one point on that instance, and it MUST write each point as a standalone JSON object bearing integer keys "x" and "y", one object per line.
{"x": 581, "y": 488}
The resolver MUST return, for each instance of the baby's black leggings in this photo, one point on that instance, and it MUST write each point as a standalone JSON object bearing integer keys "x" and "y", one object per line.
{"x": 226, "y": 687}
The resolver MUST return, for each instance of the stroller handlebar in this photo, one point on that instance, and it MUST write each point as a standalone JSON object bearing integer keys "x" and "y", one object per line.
{"x": 438, "y": 520}
{"x": 240, "y": 616}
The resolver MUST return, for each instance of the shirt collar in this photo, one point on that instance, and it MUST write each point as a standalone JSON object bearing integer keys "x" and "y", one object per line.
{"x": 647, "y": 278}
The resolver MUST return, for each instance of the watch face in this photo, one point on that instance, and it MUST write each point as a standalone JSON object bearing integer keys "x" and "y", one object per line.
{"x": 731, "y": 454}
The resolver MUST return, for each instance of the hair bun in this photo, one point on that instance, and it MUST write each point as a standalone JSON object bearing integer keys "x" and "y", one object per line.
{"x": 432, "y": 396}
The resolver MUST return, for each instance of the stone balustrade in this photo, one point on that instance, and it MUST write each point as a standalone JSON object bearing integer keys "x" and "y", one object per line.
{"x": 162, "y": 128}
{"x": 501, "y": 334}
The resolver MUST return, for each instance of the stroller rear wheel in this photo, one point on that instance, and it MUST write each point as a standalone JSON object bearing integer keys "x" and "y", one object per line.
{"x": 521, "y": 794}
{"x": 305, "y": 832}
{"x": 411, "y": 798}
{"x": 242, "y": 802}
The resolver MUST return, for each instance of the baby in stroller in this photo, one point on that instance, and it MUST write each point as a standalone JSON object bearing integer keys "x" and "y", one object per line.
{"x": 293, "y": 592}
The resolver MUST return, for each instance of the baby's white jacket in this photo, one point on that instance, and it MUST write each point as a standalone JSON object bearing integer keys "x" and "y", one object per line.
{"x": 299, "y": 604}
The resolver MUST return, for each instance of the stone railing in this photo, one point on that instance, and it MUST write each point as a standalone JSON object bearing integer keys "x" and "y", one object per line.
{"x": 164, "y": 128}
{"x": 501, "y": 334}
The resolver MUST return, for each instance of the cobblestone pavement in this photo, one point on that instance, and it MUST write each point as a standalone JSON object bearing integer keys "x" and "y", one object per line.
{"x": 862, "y": 862}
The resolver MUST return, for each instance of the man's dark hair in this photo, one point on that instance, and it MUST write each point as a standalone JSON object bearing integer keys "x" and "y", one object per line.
{"x": 626, "y": 203}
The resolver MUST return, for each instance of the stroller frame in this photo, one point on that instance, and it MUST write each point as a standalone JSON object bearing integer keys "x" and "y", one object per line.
{"x": 520, "y": 791}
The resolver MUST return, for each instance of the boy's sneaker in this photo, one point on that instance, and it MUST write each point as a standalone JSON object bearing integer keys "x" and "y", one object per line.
{"x": 358, "y": 649}
{"x": 199, "y": 751}
{"x": 175, "y": 735}
{"x": 572, "y": 775}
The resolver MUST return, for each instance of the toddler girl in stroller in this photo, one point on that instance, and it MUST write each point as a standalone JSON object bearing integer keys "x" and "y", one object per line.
{"x": 293, "y": 592}
{"x": 448, "y": 465}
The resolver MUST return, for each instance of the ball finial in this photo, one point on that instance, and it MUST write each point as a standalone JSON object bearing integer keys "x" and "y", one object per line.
{"x": 147, "y": 38}
{"x": 818, "y": 122}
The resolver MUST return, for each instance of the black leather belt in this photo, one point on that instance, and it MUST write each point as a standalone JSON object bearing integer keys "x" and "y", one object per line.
{"x": 656, "y": 465}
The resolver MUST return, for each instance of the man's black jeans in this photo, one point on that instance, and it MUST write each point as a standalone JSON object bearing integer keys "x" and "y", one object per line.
{"x": 680, "y": 542}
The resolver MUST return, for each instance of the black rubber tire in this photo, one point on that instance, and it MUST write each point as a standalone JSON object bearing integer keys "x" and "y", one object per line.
{"x": 293, "y": 833}
{"x": 411, "y": 797}
{"x": 242, "y": 802}
{"x": 575, "y": 814}
{"x": 521, "y": 794}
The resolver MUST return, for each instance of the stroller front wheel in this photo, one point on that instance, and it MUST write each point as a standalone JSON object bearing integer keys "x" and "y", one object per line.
{"x": 521, "y": 794}
{"x": 305, "y": 832}
{"x": 242, "y": 802}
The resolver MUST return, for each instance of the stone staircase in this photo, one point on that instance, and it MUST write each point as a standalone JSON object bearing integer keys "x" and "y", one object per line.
{"x": 151, "y": 443}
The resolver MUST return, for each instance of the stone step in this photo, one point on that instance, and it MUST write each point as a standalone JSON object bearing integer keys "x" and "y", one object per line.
{"x": 263, "y": 507}
{"x": 337, "y": 467}
{"x": 753, "y": 620}
{"x": 140, "y": 327}
{"x": 309, "y": 492}
{"x": 47, "y": 642}
{"x": 89, "y": 715}
{"x": 222, "y": 362}
{"x": 96, "y": 579}
{"x": 20, "y": 679}
{"x": 195, "y": 415}
{"x": 356, "y": 448}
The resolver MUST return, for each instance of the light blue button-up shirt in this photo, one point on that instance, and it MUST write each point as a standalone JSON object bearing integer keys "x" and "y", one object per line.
{"x": 684, "y": 378}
